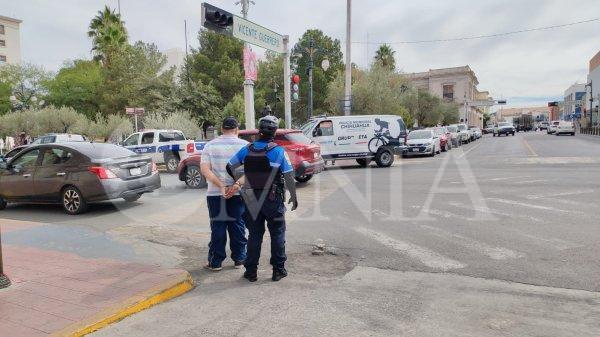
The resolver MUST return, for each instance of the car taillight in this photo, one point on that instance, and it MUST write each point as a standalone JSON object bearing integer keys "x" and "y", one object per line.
{"x": 102, "y": 172}
{"x": 190, "y": 148}
{"x": 154, "y": 167}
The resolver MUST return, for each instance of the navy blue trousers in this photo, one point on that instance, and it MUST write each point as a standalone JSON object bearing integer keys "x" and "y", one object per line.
{"x": 272, "y": 212}
{"x": 226, "y": 216}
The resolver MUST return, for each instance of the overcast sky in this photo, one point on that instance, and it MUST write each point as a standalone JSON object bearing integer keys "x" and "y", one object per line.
{"x": 528, "y": 69}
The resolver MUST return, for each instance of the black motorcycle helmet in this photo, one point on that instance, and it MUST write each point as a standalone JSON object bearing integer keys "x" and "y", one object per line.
{"x": 267, "y": 126}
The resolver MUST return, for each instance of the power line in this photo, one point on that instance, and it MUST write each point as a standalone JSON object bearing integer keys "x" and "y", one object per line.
{"x": 483, "y": 36}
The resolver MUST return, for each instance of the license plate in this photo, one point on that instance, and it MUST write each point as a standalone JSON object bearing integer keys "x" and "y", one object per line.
{"x": 414, "y": 150}
{"x": 136, "y": 171}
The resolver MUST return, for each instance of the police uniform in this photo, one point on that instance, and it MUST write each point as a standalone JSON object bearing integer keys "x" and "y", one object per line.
{"x": 265, "y": 164}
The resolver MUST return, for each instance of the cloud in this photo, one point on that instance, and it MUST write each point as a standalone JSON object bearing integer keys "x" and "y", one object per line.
{"x": 535, "y": 64}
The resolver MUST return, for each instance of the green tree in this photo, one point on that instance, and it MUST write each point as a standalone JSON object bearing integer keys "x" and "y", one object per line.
{"x": 218, "y": 62}
{"x": 201, "y": 100}
{"x": 236, "y": 108}
{"x": 77, "y": 85}
{"x": 178, "y": 120}
{"x": 108, "y": 34}
{"x": 385, "y": 57}
{"x": 269, "y": 86}
{"x": 26, "y": 82}
{"x": 326, "y": 47}
{"x": 5, "y": 92}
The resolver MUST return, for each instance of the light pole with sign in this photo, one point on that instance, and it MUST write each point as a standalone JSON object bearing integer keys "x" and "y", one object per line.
{"x": 135, "y": 112}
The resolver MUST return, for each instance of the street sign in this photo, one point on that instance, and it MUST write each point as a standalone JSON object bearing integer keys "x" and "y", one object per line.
{"x": 260, "y": 36}
{"x": 481, "y": 103}
{"x": 135, "y": 111}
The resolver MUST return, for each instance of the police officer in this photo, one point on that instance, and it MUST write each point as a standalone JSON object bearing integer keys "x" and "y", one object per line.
{"x": 268, "y": 173}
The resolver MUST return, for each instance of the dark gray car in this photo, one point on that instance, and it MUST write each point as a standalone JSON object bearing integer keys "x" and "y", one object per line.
{"x": 76, "y": 174}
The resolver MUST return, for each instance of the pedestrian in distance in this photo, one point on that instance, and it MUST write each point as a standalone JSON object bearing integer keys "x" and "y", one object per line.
{"x": 225, "y": 206}
{"x": 268, "y": 173}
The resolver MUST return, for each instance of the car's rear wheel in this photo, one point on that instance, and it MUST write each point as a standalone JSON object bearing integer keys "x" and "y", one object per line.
{"x": 2, "y": 204}
{"x": 133, "y": 198}
{"x": 72, "y": 201}
{"x": 384, "y": 158}
{"x": 364, "y": 162}
{"x": 194, "y": 178}
{"x": 303, "y": 178}
{"x": 171, "y": 162}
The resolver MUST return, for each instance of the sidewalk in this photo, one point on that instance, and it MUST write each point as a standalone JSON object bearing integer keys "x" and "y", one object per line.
{"x": 61, "y": 293}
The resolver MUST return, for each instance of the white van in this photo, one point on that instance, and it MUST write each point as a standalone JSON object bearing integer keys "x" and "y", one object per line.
{"x": 361, "y": 138}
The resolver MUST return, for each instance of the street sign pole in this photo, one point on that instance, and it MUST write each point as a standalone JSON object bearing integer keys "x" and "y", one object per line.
{"x": 287, "y": 78}
{"x": 249, "y": 113}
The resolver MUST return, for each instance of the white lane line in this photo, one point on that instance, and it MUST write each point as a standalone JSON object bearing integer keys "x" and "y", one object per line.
{"x": 495, "y": 212}
{"x": 443, "y": 214}
{"x": 509, "y": 178}
{"x": 493, "y": 252}
{"x": 425, "y": 256}
{"x": 522, "y": 204}
{"x": 531, "y": 181}
{"x": 562, "y": 194}
{"x": 469, "y": 150}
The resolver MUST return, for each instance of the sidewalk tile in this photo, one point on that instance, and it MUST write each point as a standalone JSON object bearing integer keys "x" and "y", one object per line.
{"x": 11, "y": 329}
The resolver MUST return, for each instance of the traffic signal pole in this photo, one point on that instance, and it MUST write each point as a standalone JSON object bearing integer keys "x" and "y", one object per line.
{"x": 287, "y": 91}
{"x": 249, "y": 113}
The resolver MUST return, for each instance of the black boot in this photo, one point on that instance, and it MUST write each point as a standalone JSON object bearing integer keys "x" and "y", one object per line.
{"x": 250, "y": 275}
{"x": 278, "y": 274}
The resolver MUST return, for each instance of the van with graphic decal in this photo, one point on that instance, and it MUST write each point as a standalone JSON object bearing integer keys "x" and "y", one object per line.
{"x": 166, "y": 147}
{"x": 361, "y": 138}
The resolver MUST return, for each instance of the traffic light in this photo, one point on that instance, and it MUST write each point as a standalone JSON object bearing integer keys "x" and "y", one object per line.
{"x": 295, "y": 87}
{"x": 216, "y": 19}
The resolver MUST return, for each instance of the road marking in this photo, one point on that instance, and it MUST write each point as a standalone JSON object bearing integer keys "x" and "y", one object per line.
{"x": 518, "y": 203}
{"x": 509, "y": 178}
{"x": 494, "y": 253}
{"x": 562, "y": 194}
{"x": 496, "y": 212}
{"x": 533, "y": 154}
{"x": 469, "y": 150}
{"x": 424, "y": 255}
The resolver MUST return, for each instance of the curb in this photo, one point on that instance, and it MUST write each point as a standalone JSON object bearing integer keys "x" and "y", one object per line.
{"x": 177, "y": 286}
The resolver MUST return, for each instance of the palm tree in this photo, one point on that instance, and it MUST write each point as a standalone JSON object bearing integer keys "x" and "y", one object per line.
{"x": 385, "y": 57}
{"x": 108, "y": 34}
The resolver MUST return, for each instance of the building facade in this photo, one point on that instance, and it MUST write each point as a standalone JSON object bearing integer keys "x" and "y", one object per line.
{"x": 454, "y": 85}
{"x": 539, "y": 114}
{"x": 10, "y": 40}
{"x": 594, "y": 80}
{"x": 573, "y": 102}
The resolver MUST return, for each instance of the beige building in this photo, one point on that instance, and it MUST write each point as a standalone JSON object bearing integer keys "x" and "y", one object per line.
{"x": 10, "y": 40}
{"x": 507, "y": 114}
{"x": 456, "y": 85}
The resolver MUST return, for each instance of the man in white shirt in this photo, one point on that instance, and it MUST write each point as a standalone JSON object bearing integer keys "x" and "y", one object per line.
{"x": 225, "y": 209}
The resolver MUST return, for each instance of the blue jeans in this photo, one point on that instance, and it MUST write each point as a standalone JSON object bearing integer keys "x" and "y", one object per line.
{"x": 273, "y": 213}
{"x": 226, "y": 217}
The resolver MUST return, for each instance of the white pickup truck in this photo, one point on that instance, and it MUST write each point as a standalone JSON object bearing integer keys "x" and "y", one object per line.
{"x": 166, "y": 147}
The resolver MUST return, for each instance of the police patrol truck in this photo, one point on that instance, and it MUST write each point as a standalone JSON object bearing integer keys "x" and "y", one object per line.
{"x": 361, "y": 138}
{"x": 164, "y": 146}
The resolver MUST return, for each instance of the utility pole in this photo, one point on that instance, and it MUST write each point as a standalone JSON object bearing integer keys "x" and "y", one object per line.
{"x": 311, "y": 51}
{"x": 248, "y": 84}
{"x": 287, "y": 86}
{"x": 348, "y": 80}
{"x": 591, "y": 102}
{"x": 4, "y": 281}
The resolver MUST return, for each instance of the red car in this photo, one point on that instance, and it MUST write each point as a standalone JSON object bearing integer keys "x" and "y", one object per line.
{"x": 304, "y": 154}
{"x": 445, "y": 137}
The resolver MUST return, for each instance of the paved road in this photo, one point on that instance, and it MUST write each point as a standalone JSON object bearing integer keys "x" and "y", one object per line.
{"x": 497, "y": 238}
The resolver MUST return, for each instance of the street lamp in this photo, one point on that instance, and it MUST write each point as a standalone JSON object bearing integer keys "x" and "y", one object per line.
{"x": 591, "y": 102}
{"x": 312, "y": 50}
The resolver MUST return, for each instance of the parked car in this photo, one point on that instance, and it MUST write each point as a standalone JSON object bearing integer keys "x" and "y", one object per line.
{"x": 12, "y": 152}
{"x": 504, "y": 128}
{"x": 552, "y": 127}
{"x": 456, "y": 137}
{"x": 75, "y": 174}
{"x": 463, "y": 130}
{"x": 189, "y": 172}
{"x": 304, "y": 154}
{"x": 58, "y": 138}
{"x": 488, "y": 129}
{"x": 543, "y": 125}
{"x": 422, "y": 142}
{"x": 477, "y": 134}
{"x": 361, "y": 138}
{"x": 167, "y": 147}
{"x": 565, "y": 127}
{"x": 445, "y": 137}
